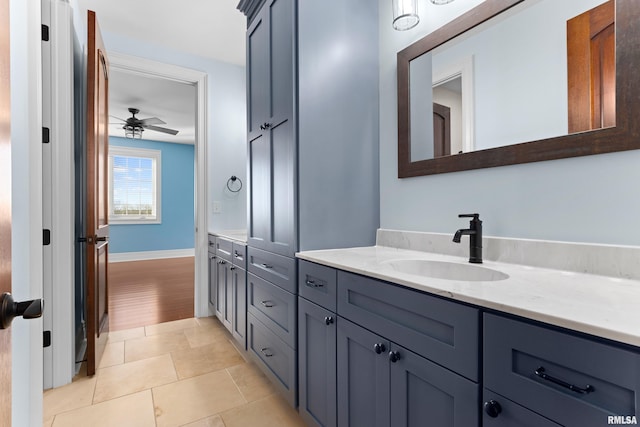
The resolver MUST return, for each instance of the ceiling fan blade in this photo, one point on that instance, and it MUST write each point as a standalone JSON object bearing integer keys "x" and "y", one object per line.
{"x": 117, "y": 118}
{"x": 152, "y": 121}
{"x": 159, "y": 129}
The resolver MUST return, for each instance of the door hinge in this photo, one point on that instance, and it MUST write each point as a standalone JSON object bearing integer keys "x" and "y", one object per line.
{"x": 45, "y": 135}
{"x": 46, "y": 339}
{"x": 46, "y": 237}
{"x": 45, "y": 33}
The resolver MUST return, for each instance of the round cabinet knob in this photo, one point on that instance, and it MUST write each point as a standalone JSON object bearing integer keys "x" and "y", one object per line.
{"x": 379, "y": 348}
{"x": 492, "y": 408}
{"x": 394, "y": 356}
{"x": 328, "y": 320}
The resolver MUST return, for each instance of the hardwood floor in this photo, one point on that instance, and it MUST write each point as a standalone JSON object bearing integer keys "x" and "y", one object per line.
{"x": 143, "y": 293}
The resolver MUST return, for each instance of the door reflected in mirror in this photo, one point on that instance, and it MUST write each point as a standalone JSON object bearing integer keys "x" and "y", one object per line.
{"x": 540, "y": 70}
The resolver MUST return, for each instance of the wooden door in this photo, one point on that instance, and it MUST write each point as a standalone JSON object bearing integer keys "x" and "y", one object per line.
{"x": 5, "y": 210}
{"x": 97, "y": 202}
{"x": 441, "y": 130}
{"x": 591, "y": 67}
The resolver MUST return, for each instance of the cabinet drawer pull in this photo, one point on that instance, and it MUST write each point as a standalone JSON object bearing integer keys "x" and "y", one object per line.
{"x": 394, "y": 356}
{"x": 232, "y": 268}
{"x": 266, "y": 265}
{"x": 265, "y": 126}
{"x": 237, "y": 255}
{"x": 267, "y": 303}
{"x": 328, "y": 320}
{"x": 313, "y": 284}
{"x": 221, "y": 261}
{"x": 541, "y": 373}
{"x": 266, "y": 352}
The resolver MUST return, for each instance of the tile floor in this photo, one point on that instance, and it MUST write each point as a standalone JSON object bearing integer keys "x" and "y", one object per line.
{"x": 182, "y": 373}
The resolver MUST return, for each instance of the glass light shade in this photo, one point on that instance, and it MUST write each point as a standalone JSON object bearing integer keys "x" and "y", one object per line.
{"x": 405, "y": 14}
{"x": 441, "y": 1}
{"x": 133, "y": 132}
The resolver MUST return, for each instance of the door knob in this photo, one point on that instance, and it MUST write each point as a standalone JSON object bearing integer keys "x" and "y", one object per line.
{"x": 9, "y": 309}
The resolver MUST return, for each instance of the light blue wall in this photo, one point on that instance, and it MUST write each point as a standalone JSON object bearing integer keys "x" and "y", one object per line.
{"x": 177, "y": 228}
{"x": 591, "y": 199}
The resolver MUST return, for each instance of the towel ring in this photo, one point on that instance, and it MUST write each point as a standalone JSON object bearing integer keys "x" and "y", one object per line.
{"x": 231, "y": 180}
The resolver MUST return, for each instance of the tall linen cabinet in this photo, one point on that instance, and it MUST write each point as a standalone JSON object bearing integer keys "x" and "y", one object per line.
{"x": 313, "y": 167}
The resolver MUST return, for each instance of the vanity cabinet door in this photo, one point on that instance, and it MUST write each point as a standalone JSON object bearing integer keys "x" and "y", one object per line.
{"x": 363, "y": 377}
{"x": 424, "y": 393}
{"x": 223, "y": 293}
{"x": 271, "y": 151}
{"x": 317, "y": 364}
{"x": 213, "y": 279}
{"x": 239, "y": 305}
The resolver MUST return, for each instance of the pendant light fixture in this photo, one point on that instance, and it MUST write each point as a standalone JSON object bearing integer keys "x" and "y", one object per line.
{"x": 405, "y": 14}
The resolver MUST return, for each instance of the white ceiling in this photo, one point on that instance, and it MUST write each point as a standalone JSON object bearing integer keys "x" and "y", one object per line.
{"x": 213, "y": 29}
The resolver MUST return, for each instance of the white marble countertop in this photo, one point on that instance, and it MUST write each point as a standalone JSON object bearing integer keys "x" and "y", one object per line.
{"x": 237, "y": 235}
{"x": 603, "y": 306}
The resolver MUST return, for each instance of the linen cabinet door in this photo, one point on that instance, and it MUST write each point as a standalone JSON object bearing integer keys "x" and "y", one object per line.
{"x": 363, "y": 377}
{"x": 424, "y": 393}
{"x": 271, "y": 152}
{"x": 316, "y": 364}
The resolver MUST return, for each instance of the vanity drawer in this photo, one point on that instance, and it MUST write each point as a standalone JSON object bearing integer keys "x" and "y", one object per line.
{"x": 442, "y": 331}
{"x": 277, "y": 269}
{"x": 276, "y": 359}
{"x": 224, "y": 248}
{"x": 239, "y": 254}
{"x": 274, "y": 307}
{"x": 212, "y": 244}
{"x": 607, "y": 377}
{"x": 318, "y": 284}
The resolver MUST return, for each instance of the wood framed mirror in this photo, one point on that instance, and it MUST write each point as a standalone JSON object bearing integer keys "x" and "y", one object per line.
{"x": 624, "y": 135}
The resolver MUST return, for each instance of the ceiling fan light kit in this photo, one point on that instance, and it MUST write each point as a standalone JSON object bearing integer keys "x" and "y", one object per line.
{"x": 133, "y": 126}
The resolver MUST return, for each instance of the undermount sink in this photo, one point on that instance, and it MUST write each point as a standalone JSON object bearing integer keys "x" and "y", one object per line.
{"x": 446, "y": 270}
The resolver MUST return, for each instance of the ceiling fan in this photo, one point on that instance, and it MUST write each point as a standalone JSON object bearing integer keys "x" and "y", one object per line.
{"x": 133, "y": 126}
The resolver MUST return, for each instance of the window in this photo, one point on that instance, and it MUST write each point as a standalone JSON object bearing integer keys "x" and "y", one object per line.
{"x": 134, "y": 185}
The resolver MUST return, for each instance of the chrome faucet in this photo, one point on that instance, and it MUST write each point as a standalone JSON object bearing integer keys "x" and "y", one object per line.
{"x": 475, "y": 237}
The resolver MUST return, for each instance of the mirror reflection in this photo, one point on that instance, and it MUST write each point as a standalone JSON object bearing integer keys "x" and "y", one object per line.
{"x": 542, "y": 69}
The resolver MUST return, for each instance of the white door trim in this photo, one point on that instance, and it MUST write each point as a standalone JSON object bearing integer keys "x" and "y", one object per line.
{"x": 148, "y": 67}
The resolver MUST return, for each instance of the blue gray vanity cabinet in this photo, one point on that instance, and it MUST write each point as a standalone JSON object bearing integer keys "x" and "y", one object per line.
{"x": 213, "y": 272}
{"x": 228, "y": 284}
{"x": 569, "y": 379}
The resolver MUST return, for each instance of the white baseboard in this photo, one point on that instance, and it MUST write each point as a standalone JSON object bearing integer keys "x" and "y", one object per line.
{"x": 141, "y": 256}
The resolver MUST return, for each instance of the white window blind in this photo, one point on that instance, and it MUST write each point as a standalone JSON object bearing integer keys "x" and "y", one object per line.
{"x": 134, "y": 185}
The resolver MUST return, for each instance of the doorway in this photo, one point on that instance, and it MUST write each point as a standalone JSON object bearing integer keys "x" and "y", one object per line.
{"x": 155, "y": 70}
